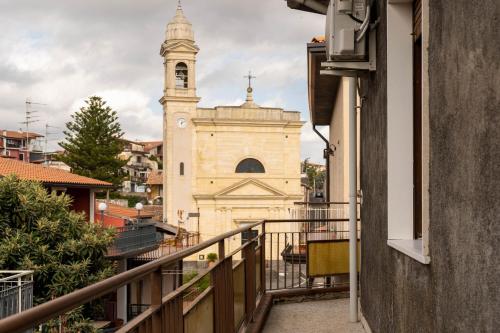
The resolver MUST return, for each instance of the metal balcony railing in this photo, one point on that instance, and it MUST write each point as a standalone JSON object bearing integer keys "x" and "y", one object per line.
{"x": 134, "y": 239}
{"x": 16, "y": 292}
{"x": 225, "y": 296}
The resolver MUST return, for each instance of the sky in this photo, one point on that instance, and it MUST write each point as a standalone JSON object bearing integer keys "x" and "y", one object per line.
{"x": 59, "y": 52}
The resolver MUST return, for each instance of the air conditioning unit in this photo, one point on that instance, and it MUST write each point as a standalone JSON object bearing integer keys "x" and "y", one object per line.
{"x": 347, "y": 30}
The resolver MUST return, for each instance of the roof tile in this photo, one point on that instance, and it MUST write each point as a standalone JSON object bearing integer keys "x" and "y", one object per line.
{"x": 45, "y": 174}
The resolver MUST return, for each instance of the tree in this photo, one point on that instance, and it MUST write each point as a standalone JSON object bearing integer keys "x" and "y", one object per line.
{"x": 92, "y": 142}
{"x": 39, "y": 232}
{"x": 316, "y": 175}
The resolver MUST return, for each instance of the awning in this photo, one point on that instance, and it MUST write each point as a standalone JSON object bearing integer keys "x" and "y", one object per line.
{"x": 322, "y": 88}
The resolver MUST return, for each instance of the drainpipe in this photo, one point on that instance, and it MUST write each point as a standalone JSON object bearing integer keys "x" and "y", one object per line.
{"x": 353, "y": 239}
{"x": 326, "y": 155}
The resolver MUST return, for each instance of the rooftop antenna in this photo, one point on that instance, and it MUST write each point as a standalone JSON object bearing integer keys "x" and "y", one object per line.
{"x": 29, "y": 119}
{"x": 47, "y": 133}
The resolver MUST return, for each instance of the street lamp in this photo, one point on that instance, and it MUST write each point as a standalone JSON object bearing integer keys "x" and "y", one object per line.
{"x": 102, "y": 207}
{"x": 139, "y": 206}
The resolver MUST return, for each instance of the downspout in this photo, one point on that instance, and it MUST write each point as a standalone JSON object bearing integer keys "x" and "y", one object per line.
{"x": 326, "y": 155}
{"x": 353, "y": 237}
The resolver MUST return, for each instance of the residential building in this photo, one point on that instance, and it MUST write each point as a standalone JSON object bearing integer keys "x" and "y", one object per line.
{"x": 226, "y": 166}
{"x": 20, "y": 145}
{"x": 138, "y": 166}
{"x": 155, "y": 187}
{"x": 49, "y": 159}
{"x": 428, "y": 158}
{"x": 155, "y": 149}
{"x": 81, "y": 189}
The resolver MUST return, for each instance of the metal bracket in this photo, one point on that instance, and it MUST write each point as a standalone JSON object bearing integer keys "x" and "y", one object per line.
{"x": 354, "y": 68}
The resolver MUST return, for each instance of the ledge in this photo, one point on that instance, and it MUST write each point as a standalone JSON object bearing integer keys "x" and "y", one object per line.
{"x": 411, "y": 247}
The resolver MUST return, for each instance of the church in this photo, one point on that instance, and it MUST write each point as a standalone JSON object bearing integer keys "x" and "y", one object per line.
{"x": 225, "y": 166}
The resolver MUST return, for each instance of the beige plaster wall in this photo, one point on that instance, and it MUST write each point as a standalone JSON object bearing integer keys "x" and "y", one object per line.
{"x": 339, "y": 136}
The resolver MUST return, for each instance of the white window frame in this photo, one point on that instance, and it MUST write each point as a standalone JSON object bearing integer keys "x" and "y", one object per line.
{"x": 400, "y": 230}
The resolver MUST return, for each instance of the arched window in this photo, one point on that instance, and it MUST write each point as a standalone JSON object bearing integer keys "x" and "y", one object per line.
{"x": 181, "y": 75}
{"x": 181, "y": 169}
{"x": 250, "y": 165}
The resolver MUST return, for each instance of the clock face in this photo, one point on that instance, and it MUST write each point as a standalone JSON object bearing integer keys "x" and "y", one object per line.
{"x": 181, "y": 123}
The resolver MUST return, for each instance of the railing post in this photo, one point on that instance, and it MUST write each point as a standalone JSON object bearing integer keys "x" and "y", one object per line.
{"x": 222, "y": 250}
{"x": 263, "y": 259}
{"x": 222, "y": 282}
{"x": 19, "y": 295}
{"x": 156, "y": 296}
{"x": 250, "y": 297}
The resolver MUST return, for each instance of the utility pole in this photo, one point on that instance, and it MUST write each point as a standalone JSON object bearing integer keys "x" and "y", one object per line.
{"x": 29, "y": 119}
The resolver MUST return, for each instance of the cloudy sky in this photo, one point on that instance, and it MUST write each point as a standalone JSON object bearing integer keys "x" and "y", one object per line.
{"x": 59, "y": 52}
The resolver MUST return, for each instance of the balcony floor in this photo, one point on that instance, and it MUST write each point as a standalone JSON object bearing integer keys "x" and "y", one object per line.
{"x": 313, "y": 316}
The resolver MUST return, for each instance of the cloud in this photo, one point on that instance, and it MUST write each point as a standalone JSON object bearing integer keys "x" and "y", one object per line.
{"x": 60, "y": 52}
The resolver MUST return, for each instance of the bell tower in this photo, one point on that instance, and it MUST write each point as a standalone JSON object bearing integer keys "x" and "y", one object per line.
{"x": 179, "y": 107}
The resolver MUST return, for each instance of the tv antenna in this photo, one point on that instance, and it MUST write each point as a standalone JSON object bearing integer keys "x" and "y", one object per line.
{"x": 47, "y": 133}
{"x": 30, "y": 118}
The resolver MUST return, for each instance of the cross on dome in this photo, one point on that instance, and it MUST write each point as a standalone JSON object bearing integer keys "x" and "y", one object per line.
{"x": 250, "y": 77}
{"x": 249, "y": 103}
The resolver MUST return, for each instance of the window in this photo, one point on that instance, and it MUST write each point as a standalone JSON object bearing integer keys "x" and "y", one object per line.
{"x": 407, "y": 128}
{"x": 139, "y": 159}
{"x": 181, "y": 75}
{"x": 181, "y": 169}
{"x": 250, "y": 165}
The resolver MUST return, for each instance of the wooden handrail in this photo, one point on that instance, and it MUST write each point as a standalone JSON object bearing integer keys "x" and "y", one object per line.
{"x": 49, "y": 310}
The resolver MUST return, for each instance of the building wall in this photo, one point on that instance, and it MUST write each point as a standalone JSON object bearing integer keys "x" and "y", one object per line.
{"x": 339, "y": 137}
{"x": 81, "y": 200}
{"x": 458, "y": 290}
{"x": 227, "y": 200}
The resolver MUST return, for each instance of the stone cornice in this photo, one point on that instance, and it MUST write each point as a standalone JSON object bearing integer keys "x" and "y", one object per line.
{"x": 248, "y": 123}
{"x": 178, "y": 99}
{"x": 246, "y": 197}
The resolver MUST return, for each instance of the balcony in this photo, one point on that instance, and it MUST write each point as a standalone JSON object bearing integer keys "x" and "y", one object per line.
{"x": 133, "y": 240}
{"x": 16, "y": 292}
{"x": 285, "y": 259}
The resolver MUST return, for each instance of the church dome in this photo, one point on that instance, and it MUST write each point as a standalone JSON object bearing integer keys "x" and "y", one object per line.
{"x": 180, "y": 27}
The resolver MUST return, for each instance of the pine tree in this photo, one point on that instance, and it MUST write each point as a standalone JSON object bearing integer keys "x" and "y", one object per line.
{"x": 92, "y": 142}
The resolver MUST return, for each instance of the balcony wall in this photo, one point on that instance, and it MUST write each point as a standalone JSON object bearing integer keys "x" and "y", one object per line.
{"x": 134, "y": 239}
{"x": 458, "y": 290}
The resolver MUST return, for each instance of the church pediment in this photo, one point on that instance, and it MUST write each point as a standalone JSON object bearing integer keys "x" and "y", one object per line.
{"x": 250, "y": 188}
{"x": 180, "y": 46}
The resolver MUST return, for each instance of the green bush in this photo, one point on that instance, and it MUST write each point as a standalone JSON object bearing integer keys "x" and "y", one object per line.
{"x": 212, "y": 257}
{"x": 39, "y": 232}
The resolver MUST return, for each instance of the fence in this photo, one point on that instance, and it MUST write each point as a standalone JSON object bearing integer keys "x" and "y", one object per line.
{"x": 222, "y": 298}
{"x": 169, "y": 246}
{"x": 133, "y": 239}
{"x": 16, "y": 292}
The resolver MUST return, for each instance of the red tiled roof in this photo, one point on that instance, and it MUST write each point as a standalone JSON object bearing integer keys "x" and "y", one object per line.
{"x": 148, "y": 145}
{"x": 18, "y": 134}
{"x": 155, "y": 178}
{"x": 119, "y": 211}
{"x": 46, "y": 175}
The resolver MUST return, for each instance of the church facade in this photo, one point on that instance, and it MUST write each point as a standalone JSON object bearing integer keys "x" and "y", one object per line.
{"x": 224, "y": 166}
